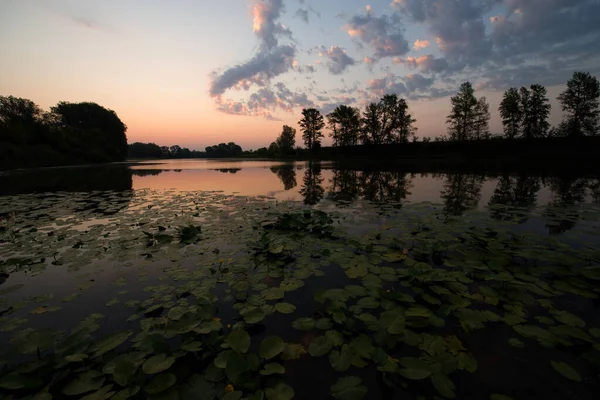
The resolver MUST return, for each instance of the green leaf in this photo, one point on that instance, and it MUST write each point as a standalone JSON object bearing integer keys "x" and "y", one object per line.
{"x": 236, "y": 366}
{"x": 237, "y": 395}
{"x": 285, "y": 308}
{"x": 334, "y": 337}
{"x": 348, "y": 388}
{"x": 221, "y": 359}
{"x": 357, "y": 271}
{"x": 271, "y": 346}
{"x": 319, "y": 347}
{"x": 110, "y": 342}
{"x": 272, "y": 293}
{"x": 516, "y": 343}
{"x": 303, "y": 324}
{"x": 418, "y": 312}
{"x": 323, "y": 324}
{"x": 393, "y": 320}
{"x": 102, "y": 394}
{"x": 292, "y": 351}
{"x": 254, "y": 316}
{"x": 340, "y": 359}
{"x": 239, "y": 341}
{"x": 160, "y": 383}
{"x": 280, "y": 392}
{"x": 191, "y": 346}
{"x": 158, "y": 363}
{"x": 569, "y": 319}
{"x": 272, "y": 368}
{"x": 85, "y": 382}
{"x": 76, "y": 357}
{"x": 497, "y": 396}
{"x": 414, "y": 368}
{"x": 443, "y": 385}
{"x": 126, "y": 393}
{"x": 566, "y": 370}
{"x": 124, "y": 371}
{"x": 14, "y": 381}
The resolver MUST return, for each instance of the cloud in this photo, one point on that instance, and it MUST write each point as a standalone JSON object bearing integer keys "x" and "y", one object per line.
{"x": 304, "y": 14}
{"x": 421, "y": 44}
{"x": 331, "y": 105}
{"x": 337, "y": 59}
{"x": 266, "y": 15}
{"x": 383, "y": 35}
{"x": 258, "y": 70}
{"x": 426, "y": 64}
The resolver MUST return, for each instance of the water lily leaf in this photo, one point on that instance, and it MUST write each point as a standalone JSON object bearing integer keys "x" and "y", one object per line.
{"x": 126, "y": 393}
{"x": 367, "y": 302}
{"x": 340, "y": 359}
{"x": 272, "y": 293}
{"x": 272, "y": 368}
{"x": 569, "y": 319}
{"x": 85, "y": 382}
{"x": 15, "y": 381}
{"x": 76, "y": 357}
{"x": 254, "y": 316}
{"x": 237, "y": 395}
{"x": 319, "y": 347}
{"x": 124, "y": 371}
{"x": 101, "y": 394}
{"x": 357, "y": 271}
{"x": 110, "y": 342}
{"x": 417, "y": 312}
{"x": 348, "y": 388}
{"x": 239, "y": 341}
{"x": 281, "y": 391}
{"x": 158, "y": 363}
{"x": 160, "y": 382}
{"x": 335, "y": 338}
{"x": 414, "y": 368}
{"x": 498, "y": 396}
{"x": 285, "y": 308}
{"x": 443, "y": 385}
{"x": 271, "y": 346}
{"x": 592, "y": 272}
{"x": 292, "y": 351}
{"x": 291, "y": 284}
{"x": 566, "y": 370}
{"x": 467, "y": 362}
{"x": 323, "y": 324}
{"x": 303, "y": 324}
{"x": 393, "y": 320}
{"x": 595, "y": 332}
{"x": 516, "y": 343}
{"x": 192, "y": 346}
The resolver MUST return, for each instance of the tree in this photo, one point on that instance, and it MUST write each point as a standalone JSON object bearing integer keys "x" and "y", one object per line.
{"x": 274, "y": 150}
{"x": 511, "y": 113}
{"x": 580, "y": 102}
{"x": 312, "y": 124}
{"x": 371, "y": 125}
{"x": 462, "y": 117}
{"x": 396, "y": 122}
{"x": 311, "y": 189}
{"x": 536, "y": 111}
{"x": 344, "y": 123}
{"x": 21, "y": 120}
{"x": 286, "y": 140}
{"x": 481, "y": 129}
{"x": 101, "y": 126}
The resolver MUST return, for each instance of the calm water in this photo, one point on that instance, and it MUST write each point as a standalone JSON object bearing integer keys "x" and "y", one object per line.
{"x": 466, "y": 285}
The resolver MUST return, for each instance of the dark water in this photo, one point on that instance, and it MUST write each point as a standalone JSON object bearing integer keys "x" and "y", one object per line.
{"x": 82, "y": 251}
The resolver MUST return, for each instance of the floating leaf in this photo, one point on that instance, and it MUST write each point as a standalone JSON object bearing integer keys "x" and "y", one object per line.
{"x": 292, "y": 351}
{"x": 566, "y": 370}
{"x": 443, "y": 385}
{"x": 500, "y": 397}
{"x": 516, "y": 343}
{"x": 569, "y": 319}
{"x": 272, "y": 368}
{"x": 110, "y": 342}
{"x": 160, "y": 383}
{"x": 414, "y": 368}
{"x": 254, "y": 316}
{"x": 319, "y": 347}
{"x": 158, "y": 363}
{"x": 303, "y": 324}
{"x": 281, "y": 391}
{"x": 348, "y": 388}
{"x": 239, "y": 341}
{"x": 285, "y": 308}
{"x": 357, "y": 271}
{"x": 271, "y": 346}
{"x": 84, "y": 383}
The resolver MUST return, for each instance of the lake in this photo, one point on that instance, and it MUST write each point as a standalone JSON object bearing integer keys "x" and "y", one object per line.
{"x": 217, "y": 279}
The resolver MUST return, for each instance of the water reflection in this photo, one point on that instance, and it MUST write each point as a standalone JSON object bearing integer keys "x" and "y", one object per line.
{"x": 516, "y": 191}
{"x": 224, "y": 170}
{"x": 461, "y": 193}
{"x": 566, "y": 192}
{"x": 312, "y": 189}
{"x": 287, "y": 174}
{"x": 372, "y": 185}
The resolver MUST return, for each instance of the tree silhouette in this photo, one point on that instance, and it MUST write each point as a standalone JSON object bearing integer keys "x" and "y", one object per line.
{"x": 311, "y": 189}
{"x": 344, "y": 123}
{"x": 515, "y": 191}
{"x": 536, "y": 111}
{"x": 511, "y": 113}
{"x": 102, "y": 127}
{"x": 481, "y": 129}
{"x": 344, "y": 185}
{"x": 312, "y": 125}
{"x": 461, "y": 193}
{"x": 223, "y": 150}
{"x": 581, "y": 103}
{"x": 287, "y": 174}
{"x": 396, "y": 122}
{"x": 371, "y": 125}
{"x": 286, "y": 140}
{"x": 461, "y": 121}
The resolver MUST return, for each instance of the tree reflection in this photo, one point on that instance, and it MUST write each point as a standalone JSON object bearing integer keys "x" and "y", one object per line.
{"x": 385, "y": 186}
{"x": 344, "y": 185}
{"x": 515, "y": 191}
{"x": 567, "y": 191}
{"x": 287, "y": 175}
{"x": 461, "y": 193}
{"x": 311, "y": 189}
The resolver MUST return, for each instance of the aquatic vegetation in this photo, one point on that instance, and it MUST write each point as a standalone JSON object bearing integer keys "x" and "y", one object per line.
{"x": 231, "y": 297}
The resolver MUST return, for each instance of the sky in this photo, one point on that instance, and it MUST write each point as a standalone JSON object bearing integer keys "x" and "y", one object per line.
{"x": 202, "y": 72}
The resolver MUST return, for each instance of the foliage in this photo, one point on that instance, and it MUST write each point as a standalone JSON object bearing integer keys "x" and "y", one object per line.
{"x": 581, "y": 101}
{"x": 223, "y": 150}
{"x": 312, "y": 124}
{"x": 465, "y": 119}
{"x": 536, "y": 111}
{"x": 286, "y": 140}
{"x": 511, "y": 113}
{"x": 344, "y": 123}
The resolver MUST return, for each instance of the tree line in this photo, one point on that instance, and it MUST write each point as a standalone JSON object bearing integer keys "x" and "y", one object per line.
{"x": 68, "y": 133}
{"x": 524, "y": 113}
{"x": 152, "y": 150}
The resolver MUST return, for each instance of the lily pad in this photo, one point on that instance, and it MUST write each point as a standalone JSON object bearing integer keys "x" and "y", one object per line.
{"x": 158, "y": 363}
{"x": 566, "y": 370}
{"x": 271, "y": 346}
{"x": 348, "y": 388}
{"x": 239, "y": 341}
{"x": 281, "y": 391}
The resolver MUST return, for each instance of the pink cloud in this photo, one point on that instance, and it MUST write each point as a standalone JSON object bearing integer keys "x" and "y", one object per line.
{"x": 421, "y": 44}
